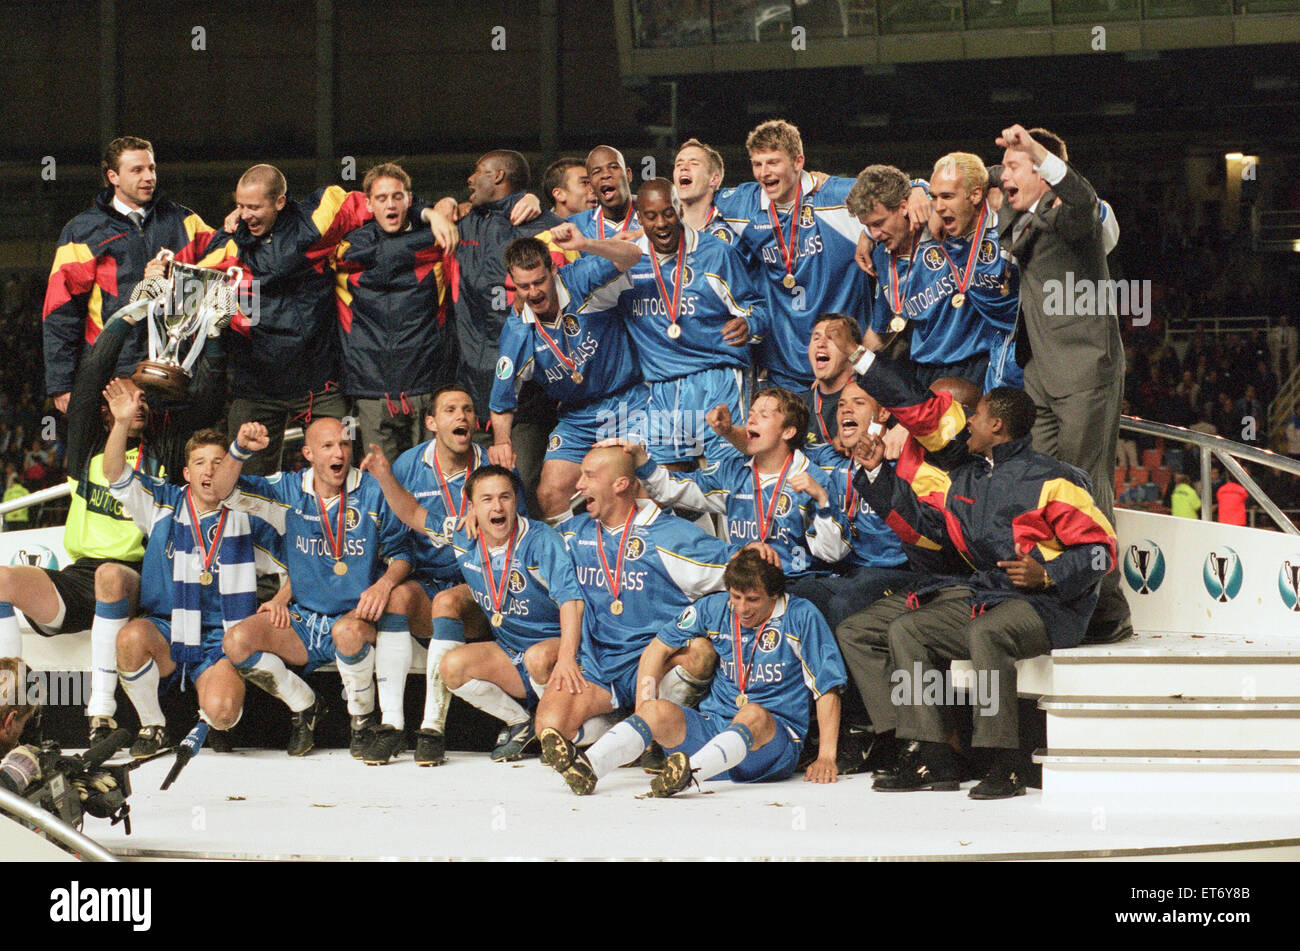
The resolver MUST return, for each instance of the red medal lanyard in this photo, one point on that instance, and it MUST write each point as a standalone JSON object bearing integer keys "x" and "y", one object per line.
{"x": 209, "y": 554}
{"x": 565, "y": 361}
{"x": 674, "y": 306}
{"x": 332, "y": 538}
{"x": 742, "y": 673}
{"x": 963, "y": 279}
{"x": 898, "y": 295}
{"x": 817, "y": 411}
{"x": 787, "y": 248}
{"x": 458, "y": 509}
{"x": 600, "y": 220}
{"x": 616, "y": 579}
{"x": 495, "y": 591}
{"x": 766, "y": 518}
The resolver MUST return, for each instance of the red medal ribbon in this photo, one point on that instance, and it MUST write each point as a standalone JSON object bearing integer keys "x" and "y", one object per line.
{"x": 850, "y": 494}
{"x": 787, "y": 248}
{"x": 821, "y": 423}
{"x": 565, "y": 361}
{"x": 209, "y": 554}
{"x": 898, "y": 296}
{"x": 600, "y": 220}
{"x": 963, "y": 279}
{"x": 675, "y": 305}
{"x": 498, "y": 593}
{"x": 458, "y": 509}
{"x": 615, "y": 580}
{"x": 335, "y": 540}
{"x": 742, "y": 673}
{"x": 766, "y": 518}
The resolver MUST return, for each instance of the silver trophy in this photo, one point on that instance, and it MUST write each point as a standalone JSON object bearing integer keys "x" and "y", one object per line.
{"x": 1142, "y": 558}
{"x": 1221, "y": 563}
{"x": 182, "y": 308}
{"x": 1293, "y": 577}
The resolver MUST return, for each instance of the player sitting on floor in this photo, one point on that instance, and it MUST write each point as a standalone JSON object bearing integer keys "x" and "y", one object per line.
{"x": 752, "y": 724}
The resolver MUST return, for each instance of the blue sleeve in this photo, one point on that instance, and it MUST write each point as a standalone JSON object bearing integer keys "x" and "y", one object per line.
{"x": 557, "y": 567}
{"x": 585, "y": 276}
{"x": 819, "y": 655}
{"x": 880, "y": 310}
{"x": 281, "y": 487}
{"x": 394, "y": 536}
{"x": 514, "y": 365}
{"x": 744, "y": 289}
{"x": 998, "y": 310}
{"x": 686, "y": 626}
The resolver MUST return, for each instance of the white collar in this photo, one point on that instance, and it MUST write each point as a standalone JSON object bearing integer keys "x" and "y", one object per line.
{"x": 646, "y": 512}
{"x": 778, "y": 611}
{"x": 427, "y": 456}
{"x": 351, "y": 483}
{"x": 561, "y": 296}
{"x": 521, "y": 531}
{"x": 799, "y": 464}
{"x": 126, "y": 210}
{"x": 805, "y": 186}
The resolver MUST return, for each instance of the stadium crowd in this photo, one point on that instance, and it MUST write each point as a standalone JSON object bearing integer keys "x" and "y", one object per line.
{"x": 662, "y": 474}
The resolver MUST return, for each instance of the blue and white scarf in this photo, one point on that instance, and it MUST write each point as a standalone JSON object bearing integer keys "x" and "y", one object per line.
{"x": 237, "y": 582}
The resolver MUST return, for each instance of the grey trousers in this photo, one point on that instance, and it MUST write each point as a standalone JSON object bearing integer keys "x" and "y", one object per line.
{"x": 395, "y": 432}
{"x": 993, "y": 641}
{"x": 275, "y": 415}
{"x": 1083, "y": 430}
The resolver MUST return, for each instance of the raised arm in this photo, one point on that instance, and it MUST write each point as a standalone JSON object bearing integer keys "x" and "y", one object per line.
{"x": 251, "y": 438}
{"x": 402, "y": 502}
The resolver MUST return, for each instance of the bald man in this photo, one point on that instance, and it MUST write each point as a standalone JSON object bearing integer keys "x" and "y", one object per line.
{"x": 639, "y": 567}
{"x": 611, "y": 180}
{"x": 348, "y": 558}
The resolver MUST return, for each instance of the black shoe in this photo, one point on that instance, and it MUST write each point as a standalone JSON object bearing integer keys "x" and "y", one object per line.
{"x": 654, "y": 759}
{"x": 386, "y": 742}
{"x": 932, "y": 766}
{"x": 101, "y": 728}
{"x": 1005, "y": 778}
{"x": 430, "y": 748}
{"x": 557, "y": 751}
{"x": 510, "y": 746}
{"x": 150, "y": 740}
{"x": 302, "y": 736}
{"x": 891, "y": 769}
{"x": 362, "y": 727}
{"x": 676, "y": 776}
{"x": 580, "y": 777}
{"x": 219, "y": 741}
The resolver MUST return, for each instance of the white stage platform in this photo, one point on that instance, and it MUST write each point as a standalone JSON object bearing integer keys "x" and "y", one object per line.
{"x": 262, "y": 805}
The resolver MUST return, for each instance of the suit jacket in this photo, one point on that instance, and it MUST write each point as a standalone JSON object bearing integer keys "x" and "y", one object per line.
{"x": 1068, "y": 334}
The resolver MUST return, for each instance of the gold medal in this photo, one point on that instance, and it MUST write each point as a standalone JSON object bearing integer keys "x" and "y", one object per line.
{"x": 206, "y": 555}
{"x": 674, "y": 331}
{"x": 497, "y": 619}
{"x": 958, "y": 300}
{"x": 898, "y": 323}
{"x": 340, "y": 569}
{"x": 788, "y": 281}
{"x": 741, "y": 699}
{"x": 1005, "y": 288}
{"x": 576, "y": 377}
{"x": 497, "y": 592}
{"x": 616, "y": 607}
{"x": 205, "y": 577}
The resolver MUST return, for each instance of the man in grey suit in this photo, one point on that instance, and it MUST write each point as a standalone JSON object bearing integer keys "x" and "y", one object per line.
{"x": 1068, "y": 343}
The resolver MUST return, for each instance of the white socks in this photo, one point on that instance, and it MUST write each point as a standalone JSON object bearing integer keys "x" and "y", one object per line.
{"x": 593, "y": 729}
{"x": 393, "y": 650}
{"x": 11, "y": 638}
{"x": 437, "y": 698}
{"x": 622, "y": 744}
{"x": 681, "y": 688}
{"x": 357, "y": 672}
{"x": 279, "y": 681}
{"x": 141, "y": 688}
{"x": 723, "y": 752}
{"x": 110, "y": 617}
{"x": 492, "y": 700}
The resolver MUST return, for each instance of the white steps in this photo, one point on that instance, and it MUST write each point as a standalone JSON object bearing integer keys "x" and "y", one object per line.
{"x": 1174, "y": 723}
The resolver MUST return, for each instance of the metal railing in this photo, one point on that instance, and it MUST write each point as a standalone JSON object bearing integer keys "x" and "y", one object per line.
{"x": 292, "y": 434}
{"x": 54, "y": 828}
{"x": 1228, "y": 453}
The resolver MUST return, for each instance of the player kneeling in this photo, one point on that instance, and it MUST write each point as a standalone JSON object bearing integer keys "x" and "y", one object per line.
{"x": 752, "y": 725}
{"x": 522, "y": 578}
{"x": 194, "y": 586}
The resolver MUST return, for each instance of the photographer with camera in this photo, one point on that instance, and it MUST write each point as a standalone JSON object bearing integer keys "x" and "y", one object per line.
{"x": 20, "y": 766}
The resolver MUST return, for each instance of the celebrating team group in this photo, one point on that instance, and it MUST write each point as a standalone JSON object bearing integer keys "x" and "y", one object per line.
{"x": 660, "y": 476}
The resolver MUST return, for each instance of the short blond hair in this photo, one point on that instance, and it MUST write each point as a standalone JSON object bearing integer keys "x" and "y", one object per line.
{"x": 269, "y": 177}
{"x": 971, "y": 168}
{"x": 773, "y": 135}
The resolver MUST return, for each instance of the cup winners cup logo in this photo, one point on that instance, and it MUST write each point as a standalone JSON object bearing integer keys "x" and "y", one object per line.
{"x": 1288, "y": 583}
{"x": 1144, "y": 566}
{"x": 1222, "y": 574}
